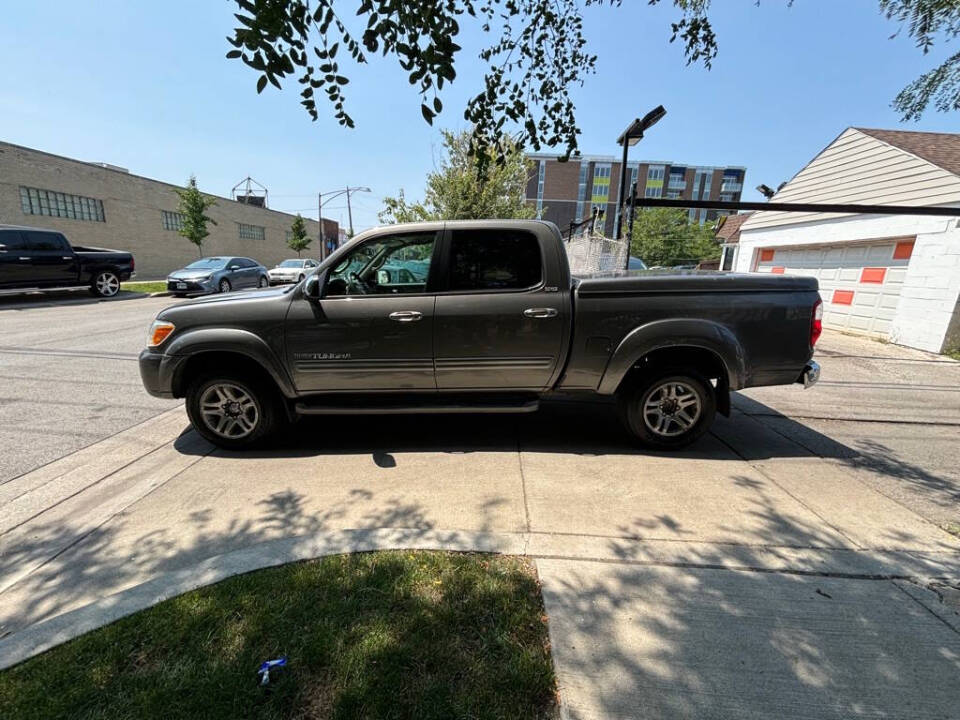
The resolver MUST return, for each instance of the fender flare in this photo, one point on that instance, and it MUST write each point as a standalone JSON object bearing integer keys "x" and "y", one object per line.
{"x": 227, "y": 340}
{"x": 675, "y": 333}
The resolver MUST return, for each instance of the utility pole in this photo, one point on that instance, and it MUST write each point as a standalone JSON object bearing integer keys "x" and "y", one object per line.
{"x": 330, "y": 195}
{"x": 349, "y": 212}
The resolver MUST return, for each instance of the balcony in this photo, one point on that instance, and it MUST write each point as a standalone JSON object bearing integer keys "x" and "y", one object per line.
{"x": 731, "y": 187}
{"x": 677, "y": 184}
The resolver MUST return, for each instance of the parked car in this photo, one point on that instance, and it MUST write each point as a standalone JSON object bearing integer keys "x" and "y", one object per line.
{"x": 217, "y": 274}
{"x": 33, "y": 258}
{"x": 497, "y": 325}
{"x": 292, "y": 270}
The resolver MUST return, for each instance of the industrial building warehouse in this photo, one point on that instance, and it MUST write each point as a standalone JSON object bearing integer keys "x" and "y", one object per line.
{"x": 101, "y": 205}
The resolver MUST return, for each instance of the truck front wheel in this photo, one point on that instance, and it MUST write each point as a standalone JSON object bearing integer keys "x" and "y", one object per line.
{"x": 233, "y": 412}
{"x": 669, "y": 409}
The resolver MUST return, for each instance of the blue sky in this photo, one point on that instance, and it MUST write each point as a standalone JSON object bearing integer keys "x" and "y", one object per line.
{"x": 146, "y": 86}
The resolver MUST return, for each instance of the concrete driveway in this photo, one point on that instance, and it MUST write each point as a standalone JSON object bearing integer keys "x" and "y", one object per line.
{"x": 794, "y": 563}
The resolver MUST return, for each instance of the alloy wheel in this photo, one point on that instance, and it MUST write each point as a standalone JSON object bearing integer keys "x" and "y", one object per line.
{"x": 671, "y": 409}
{"x": 108, "y": 284}
{"x": 229, "y": 411}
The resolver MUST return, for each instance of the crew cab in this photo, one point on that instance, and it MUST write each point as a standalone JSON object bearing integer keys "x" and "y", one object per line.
{"x": 33, "y": 258}
{"x": 494, "y": 323}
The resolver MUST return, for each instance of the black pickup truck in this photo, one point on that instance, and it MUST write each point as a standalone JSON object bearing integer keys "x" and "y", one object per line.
{"x": 480, "y": 316}
{"x": 43, "y": 259}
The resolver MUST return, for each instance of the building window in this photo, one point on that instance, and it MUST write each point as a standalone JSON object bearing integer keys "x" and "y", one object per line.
{"x": 678, "y": 179}
{"x": 652, "y": 192}
{"x": 541, "y": 175}
{"x": 673, "y": 194}
{"x": 582, "y": 189}
{"x": 655, "y": 172}
{"x": 726, "y": 197}
{"x": 601, "y": 184}
{"x": 251, "y": 232}
{"x": 172, "y": 220}
{"x": 34, "y": 201}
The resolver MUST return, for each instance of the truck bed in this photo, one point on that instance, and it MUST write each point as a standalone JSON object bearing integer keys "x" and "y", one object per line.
{"x": 765, "y": 318}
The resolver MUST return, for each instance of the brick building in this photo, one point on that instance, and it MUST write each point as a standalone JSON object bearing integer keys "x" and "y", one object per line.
{"x": 565, "y": 192}
{"x": 105, "y": 206}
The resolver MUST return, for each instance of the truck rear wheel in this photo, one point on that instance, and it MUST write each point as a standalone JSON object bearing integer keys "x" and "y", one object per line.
{"x": 105, "y": 284}
{"x": 233, "y": 411}
{"x": 669, "y": 409}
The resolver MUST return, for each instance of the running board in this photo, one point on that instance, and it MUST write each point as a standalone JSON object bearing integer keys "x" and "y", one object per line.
{"x": 527, "y": 406}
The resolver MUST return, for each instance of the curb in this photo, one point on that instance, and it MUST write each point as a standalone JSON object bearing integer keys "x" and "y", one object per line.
{"x": 844, "y": 563}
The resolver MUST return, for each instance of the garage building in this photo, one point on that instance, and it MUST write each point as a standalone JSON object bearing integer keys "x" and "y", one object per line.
{"x": 100, "y": 205}
{"x": 894, "y": 277}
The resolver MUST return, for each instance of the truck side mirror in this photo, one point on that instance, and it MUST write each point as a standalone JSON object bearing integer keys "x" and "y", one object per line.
{"x": 312, "y": 286}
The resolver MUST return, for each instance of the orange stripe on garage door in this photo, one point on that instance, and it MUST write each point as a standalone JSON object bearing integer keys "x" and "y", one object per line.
{"x": 903, "y": 250}
{"x": 873, "y": 275}
{"x": 842, "y": 297}
{"x": 766, "y": 255}
{"x": 777, "y": 270}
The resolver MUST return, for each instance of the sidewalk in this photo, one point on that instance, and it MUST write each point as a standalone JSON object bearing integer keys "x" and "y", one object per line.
{"x": 660, "y": 572}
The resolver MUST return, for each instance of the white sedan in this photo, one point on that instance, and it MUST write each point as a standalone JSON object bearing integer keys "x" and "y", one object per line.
{"x": 291, "y": 271}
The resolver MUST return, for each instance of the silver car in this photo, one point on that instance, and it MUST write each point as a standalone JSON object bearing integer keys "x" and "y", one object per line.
{"x": 217, "y": 274}
{"x": 292, "y": 270}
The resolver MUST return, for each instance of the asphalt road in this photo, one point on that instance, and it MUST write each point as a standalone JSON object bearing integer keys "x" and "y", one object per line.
{"x": 68, "y": 373}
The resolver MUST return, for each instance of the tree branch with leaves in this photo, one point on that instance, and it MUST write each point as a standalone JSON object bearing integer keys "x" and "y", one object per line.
{"x": 537, "y": 56}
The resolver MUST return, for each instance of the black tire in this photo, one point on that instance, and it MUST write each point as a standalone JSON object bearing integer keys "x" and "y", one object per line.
{"x": 263, "y": 282}
{"x": 666, "y": 425}
{"x": 224, "y": 286}
{"x": 300, "y": 279}
{"x": 269, "y": 412}
{"x": 105, "y": 284}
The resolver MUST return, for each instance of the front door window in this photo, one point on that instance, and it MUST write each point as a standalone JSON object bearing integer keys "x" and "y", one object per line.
{"x": 394, "y": 265}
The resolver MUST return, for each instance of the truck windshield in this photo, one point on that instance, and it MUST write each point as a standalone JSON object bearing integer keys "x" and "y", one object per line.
{"x": 211, "y": 263}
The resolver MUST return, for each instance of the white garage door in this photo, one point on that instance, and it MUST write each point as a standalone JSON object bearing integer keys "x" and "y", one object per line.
{"x": 859, "y": 282}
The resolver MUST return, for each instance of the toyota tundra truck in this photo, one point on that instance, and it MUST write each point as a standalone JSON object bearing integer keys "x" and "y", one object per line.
{"x": 480, "y": 317}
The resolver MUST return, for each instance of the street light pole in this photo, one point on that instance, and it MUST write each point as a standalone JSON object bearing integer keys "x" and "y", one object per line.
{"x": 349, "y": 212}
{"x": 330, "y": 195}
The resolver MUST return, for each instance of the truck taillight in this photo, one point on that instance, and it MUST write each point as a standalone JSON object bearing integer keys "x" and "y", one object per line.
{"x": 816, "y": 322}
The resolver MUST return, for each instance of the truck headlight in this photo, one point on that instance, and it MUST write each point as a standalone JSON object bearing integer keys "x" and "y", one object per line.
{"x": 159, "y": 332}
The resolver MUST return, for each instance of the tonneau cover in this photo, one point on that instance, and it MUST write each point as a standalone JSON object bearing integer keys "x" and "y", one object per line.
{"x": 627, "y": 282}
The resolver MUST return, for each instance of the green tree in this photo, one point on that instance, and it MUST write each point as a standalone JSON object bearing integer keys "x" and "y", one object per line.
{"x": 665, "y": 236}
{"x": 456, "y": 191}
{"x": 193, "y": 207}
{"x": 298, "y": 240}
{"x": 536, "y": 56}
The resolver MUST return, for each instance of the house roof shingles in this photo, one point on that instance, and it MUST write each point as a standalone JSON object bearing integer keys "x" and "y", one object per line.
{"x": 941, "y": 149}
{"x": 729, "y": 231}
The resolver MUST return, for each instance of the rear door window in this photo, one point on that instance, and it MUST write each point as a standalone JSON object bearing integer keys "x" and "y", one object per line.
{"x": 490, "y": 260}
{"x": 41, "y": 241}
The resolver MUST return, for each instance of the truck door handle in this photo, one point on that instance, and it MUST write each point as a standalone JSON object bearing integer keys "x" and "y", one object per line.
{"x": 24, "y": 258}
{"x": 66, "y": 257}
{"x": 540, "y": 312}
{"x": 405, "y": 315}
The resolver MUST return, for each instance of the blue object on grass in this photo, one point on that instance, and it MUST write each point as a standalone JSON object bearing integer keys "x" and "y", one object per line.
{"x": 265, "y": 667}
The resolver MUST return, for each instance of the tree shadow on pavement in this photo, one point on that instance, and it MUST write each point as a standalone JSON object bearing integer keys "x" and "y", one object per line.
{"x": 723, "y": 630}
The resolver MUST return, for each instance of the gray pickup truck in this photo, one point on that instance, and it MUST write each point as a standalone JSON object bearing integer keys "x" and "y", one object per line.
{"x": 480, "y": 317}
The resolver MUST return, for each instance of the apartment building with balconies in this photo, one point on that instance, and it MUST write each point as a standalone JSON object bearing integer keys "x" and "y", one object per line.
{"x": 567, "y": 192}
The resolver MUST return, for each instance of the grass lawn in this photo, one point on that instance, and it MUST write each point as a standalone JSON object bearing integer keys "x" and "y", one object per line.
{"x": 373, "y": 635}
{"x": 145, "y": 287}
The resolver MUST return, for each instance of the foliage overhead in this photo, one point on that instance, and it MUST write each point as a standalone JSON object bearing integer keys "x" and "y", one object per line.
{"x": 456, "y": 191}
{"x": 193, "y": 206}
{"x": 298, "y": 240}
{"x": 538, "y": 54}
{"x": 665, "y": 237}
